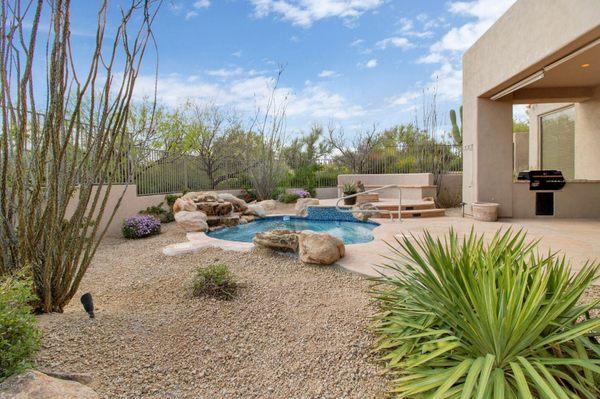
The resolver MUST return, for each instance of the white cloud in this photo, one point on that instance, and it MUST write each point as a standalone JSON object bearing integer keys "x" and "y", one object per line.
{"x": 328, "y": 74}
{"x": 190, "y": 15}
{"x": 305, "y": 12}
{"x": 247, "y": 94}
{"x": 372, "y": 63}
{"x": 357, "y": 42}
{"x": 400, "y": 42}
{"x": 237, "y": 54}
{"x": 202, "y": 4}
{"x": 225, "y": 73}
{"x": 404, "y": 98}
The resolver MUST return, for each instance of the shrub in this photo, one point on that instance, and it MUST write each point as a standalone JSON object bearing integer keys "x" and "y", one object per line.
{"x": 249, "y": 195}
{"x": 171, "y": 198}
{"x": 19, "y": 335}
{"x": 159, "y": 213}
{"x": 288, "y": 198}
{"x": 140, "y": 227}
{"x": 350, "y": 188}
{"x": 278, "y": 192}
{"x": 464, "y": 319}
{"x": 300, "y": 192}
{"x": 216, "y": 281}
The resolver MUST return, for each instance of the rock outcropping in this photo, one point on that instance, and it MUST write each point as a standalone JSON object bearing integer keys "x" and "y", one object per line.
{"x": 201, "y": 211}
{"x": 35, "y": 385}
{"x": 312, "y": 248}
{"x": 302, "y": 205}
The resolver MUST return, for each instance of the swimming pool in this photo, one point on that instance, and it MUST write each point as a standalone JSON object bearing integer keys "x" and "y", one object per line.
{"x": 349, "y": 232}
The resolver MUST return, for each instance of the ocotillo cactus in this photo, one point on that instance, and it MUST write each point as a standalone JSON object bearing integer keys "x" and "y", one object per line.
{"x": 457, "y": 130}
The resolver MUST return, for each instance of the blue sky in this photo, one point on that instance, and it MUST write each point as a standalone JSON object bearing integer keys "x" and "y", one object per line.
{"x": 348, "y": 62}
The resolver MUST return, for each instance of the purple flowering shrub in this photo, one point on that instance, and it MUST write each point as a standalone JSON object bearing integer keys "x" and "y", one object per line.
{"x": 141, "y": 226}
{"x": 301, "y": 193}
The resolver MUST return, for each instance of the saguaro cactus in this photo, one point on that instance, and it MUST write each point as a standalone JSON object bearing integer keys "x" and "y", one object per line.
{"x": 457, "y": 130}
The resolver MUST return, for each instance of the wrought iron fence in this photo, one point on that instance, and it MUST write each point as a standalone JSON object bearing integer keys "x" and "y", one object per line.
{"x": 161, "y": 172}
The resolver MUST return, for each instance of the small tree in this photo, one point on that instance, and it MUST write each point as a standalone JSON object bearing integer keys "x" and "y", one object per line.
{"x": 356, "y": 153}
{"x": 57, "y": 166}
{"x": 264, "y": 158}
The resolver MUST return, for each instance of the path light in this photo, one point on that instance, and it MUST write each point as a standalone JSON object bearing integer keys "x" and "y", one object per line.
{"x": 88, "y": 304}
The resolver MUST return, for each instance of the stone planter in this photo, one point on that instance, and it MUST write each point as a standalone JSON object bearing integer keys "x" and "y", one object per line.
{"x": 485, "y": 211}
{"x": 349, "y": 201}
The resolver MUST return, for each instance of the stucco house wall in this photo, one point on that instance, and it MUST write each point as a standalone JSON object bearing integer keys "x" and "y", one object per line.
{"x": 504, "y": 56}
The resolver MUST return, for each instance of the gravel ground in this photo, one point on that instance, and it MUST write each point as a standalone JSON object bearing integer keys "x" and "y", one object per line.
{"x": 295, "y": 331}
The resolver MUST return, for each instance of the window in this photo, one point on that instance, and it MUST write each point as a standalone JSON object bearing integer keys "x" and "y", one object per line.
{"x": 558, "y": 141}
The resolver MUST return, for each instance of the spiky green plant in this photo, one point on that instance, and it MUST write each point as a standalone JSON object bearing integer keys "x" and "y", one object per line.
{"x": 460, "y": 318}
{"x": 457, "y": 129}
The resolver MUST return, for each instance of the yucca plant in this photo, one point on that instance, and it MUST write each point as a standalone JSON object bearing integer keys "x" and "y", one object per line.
{"x": 460, "y": 318}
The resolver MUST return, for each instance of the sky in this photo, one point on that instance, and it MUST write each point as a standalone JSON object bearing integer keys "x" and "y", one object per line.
{"x": 351, "y": 63}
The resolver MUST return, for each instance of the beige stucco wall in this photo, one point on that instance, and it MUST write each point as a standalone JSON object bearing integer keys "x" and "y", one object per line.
{"x": 575, "y": 200}
{"x": 131, "y": 204}
{"x": 521, "y": 151}
{"x": 587, "y": 138}
{"x": 530, "y": 35}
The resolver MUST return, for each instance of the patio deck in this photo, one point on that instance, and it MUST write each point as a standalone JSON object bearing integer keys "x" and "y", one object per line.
{"x": 577, "y": 238}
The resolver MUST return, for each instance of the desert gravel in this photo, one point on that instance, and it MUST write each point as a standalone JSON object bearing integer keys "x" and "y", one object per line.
{"x": 295, "y": 331}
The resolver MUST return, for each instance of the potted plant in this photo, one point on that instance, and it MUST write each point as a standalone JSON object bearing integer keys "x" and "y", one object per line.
{"x": 350, "y": 189}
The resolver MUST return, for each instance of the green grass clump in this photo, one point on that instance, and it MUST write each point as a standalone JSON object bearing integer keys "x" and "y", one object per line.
{"x": 19, "y": 335}
{"x": 464, "y": 319}
{"x": 215, "y": 281}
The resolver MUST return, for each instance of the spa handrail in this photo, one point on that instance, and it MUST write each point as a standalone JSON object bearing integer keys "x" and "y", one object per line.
{"x": 391, "y": 213}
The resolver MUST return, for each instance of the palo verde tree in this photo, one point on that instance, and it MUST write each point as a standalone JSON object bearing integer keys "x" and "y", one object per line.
{"x": 63, "y": 138}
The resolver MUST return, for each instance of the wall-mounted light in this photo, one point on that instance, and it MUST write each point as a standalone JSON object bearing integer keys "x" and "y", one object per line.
{"x": 585, "y": 65}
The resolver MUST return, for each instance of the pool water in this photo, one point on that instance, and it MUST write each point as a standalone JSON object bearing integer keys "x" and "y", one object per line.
{"x": 348, "y": 232}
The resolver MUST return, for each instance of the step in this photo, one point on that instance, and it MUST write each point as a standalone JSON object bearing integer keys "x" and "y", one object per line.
{"x": 417, "y": 213}
{"x": 405, "y": 207}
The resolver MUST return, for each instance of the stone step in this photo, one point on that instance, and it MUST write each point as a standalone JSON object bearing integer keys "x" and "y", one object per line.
{"x": 406, "y": 207}
{"x": 418, "y": 213}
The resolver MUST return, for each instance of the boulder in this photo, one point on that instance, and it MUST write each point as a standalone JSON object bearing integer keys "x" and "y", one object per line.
{"x": 35, "y": 385}
{"x": 184, "y": 205}
{"x": 191, "y": 221}
{"x": 247, "y": 219}
{"x": 256, "y": 210}
{"x": 364, "y": 216}
{"x": 238, "y": 204}
{"x": 278, "y": 240}
{"x": 302, "y": 205}
{"x": 320, "y": 248}
{"x": 202, "y": 196}
{"x": 215, "y": 208}
{"x": 268, "y": 205}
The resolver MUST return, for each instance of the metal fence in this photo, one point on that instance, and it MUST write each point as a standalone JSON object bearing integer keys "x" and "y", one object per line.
{"x": 161, "y": 172}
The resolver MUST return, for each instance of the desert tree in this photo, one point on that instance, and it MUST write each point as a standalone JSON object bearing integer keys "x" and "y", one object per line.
{"x": 63, "y": 139}
{"x": 355, "y": 153}
{"x": 264, "y": 161}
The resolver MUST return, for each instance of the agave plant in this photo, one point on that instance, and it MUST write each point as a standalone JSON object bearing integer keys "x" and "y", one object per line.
{"x": 460, "y": 318}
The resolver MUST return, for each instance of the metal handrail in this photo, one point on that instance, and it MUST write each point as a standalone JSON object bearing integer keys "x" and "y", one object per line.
{"x": 399, "y": 211}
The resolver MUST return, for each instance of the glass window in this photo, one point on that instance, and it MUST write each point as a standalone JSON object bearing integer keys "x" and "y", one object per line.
{"x": 558, "y": 141}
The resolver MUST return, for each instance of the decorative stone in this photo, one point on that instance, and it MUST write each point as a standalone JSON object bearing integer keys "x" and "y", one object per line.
{"x": 202, "y": 196}
{"x": 302, "y": 205}
{"x": 320, "y": 248}
{"x": 191, "y": 221}
{"x": 215, "y": 208}
{"x": 256, "y": 210}
{"x": 35, "y": 385}
{"x": 184, "y": 205}
{"x": 226, "y": 221}
{"x": 364, "y": 216}
{"x": 238, "y": 204}
{"x": 247, "y": 219}
{"x": 268, "y": 205}
{"x": 278, "y": 240}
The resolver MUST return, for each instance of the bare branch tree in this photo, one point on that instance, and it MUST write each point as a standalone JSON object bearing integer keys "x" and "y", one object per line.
{"x": 57, "y": 163}
{"x": 355, "y": 153}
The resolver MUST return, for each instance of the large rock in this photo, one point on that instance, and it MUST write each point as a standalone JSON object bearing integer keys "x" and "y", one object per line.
{"x": 373, "y": 211}
{"x": 191, "y": 221}
{"x": 268, "y": 205}
{"x": 238, "y": 204}
{"x": 35, "y": 385}
{"x": 302, "y": 205}
{"x": 202, "y": 196}
{"x": 184, "y": 205}
{"x": 255, "y": 210}
{"x": 279, "y": 240}
{"x": 320, "y": 248}
{"x": 215, "y": 208}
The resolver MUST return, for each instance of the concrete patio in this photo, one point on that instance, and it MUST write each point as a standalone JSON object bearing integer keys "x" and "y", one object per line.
{"x": 576, "y": 238}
